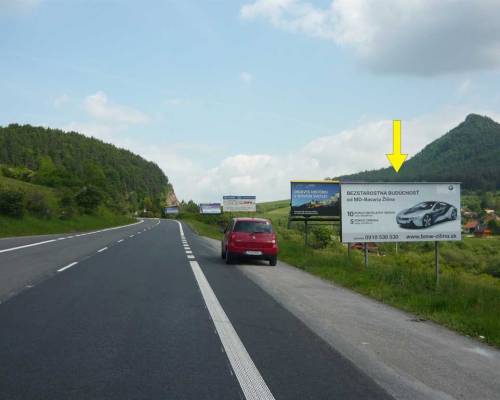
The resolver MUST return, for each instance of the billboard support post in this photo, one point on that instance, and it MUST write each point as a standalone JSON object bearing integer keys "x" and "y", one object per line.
{"x": 348, "y": 249}
{"x": 436, "y": 261}
{"x": 366, "y": 254}
{"x": 396, "y": 247}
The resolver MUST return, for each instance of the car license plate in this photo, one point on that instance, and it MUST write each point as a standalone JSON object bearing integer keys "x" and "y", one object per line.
{"x": 253, "y": 253}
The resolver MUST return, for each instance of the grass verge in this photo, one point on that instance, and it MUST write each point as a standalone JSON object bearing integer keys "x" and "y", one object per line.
{"x": 29, "y": 225}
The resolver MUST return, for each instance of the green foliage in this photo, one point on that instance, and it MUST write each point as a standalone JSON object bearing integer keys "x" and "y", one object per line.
{"x": 88, "y": 199}
{"x": 468, "y": 153}
{"x": 11, "y": 202}
{"x": 322, "y": 236}
{"x": 54, "y": 158}
{"x": 36, "y": 204}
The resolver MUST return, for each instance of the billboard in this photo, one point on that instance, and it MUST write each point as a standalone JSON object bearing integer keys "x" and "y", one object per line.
{"x": 315, "y": 198}
{"x": 400, "y": 212}
{"x": 239, "y": 203}
{"x": 172, "y": 210}
{"x": 210, "y": 208}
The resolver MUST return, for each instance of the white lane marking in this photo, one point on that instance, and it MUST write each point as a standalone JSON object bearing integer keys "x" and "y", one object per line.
{"x": 190, "y": 257}
{"x": 189, "y": 252}
{"x": 69, "y": 237}
{"x": 67, "y": 266}
{"x": 251, "y": 381}
{"x": 101, "y": 250}
{"x": 131, "y": 235}
{"x": 121, "y": 240}
{"x": 253, "y": 385}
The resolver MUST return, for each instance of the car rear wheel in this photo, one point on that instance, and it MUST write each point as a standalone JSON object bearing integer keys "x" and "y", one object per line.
{"x": 273, "y": 261}
{"x": 427, "y": 221}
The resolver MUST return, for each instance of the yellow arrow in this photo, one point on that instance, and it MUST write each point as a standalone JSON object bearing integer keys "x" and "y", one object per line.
{"x": 396, "y": 158}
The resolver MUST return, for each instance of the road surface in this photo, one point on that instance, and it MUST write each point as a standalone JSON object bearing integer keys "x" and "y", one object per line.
{"x": 145, "y": 312}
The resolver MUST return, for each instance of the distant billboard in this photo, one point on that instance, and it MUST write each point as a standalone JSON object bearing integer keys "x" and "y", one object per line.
{"x": 400, "y": 212}
{"x": 210, "y": 208}
{"x": 315, "y": 198}
{"x": 172, "y": 210}
{"x": 239, "y": 204}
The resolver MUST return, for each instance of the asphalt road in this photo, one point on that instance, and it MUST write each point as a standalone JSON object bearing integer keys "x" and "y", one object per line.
{"x": 154, "y": 316}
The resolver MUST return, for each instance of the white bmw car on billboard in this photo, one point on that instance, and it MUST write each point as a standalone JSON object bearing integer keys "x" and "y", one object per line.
{"x": 426, "y": 214}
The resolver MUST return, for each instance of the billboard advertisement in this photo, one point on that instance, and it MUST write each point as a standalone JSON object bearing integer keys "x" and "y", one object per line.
{"x": 400, "y": 212}
{"x": 172, "y": 210}
{"x": 315, "y": 198}
{"x": 239, "y": 203}
{"x": 210, "y": 208}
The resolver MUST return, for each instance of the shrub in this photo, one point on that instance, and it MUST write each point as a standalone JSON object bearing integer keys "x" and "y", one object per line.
{"x": 11, "y": 202}
{"x": 89, "y": 198}
{"x": 36, "y": 204}
{"x": 322, "y": 237}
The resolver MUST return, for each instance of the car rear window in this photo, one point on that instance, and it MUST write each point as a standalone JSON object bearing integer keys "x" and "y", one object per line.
{"x": 253, "y": 227}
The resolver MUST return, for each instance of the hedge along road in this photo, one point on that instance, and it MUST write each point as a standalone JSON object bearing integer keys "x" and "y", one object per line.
{"x": 147, "y": 318}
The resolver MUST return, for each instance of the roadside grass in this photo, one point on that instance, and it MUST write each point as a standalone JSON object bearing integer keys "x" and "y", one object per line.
{"x": 467, "y": 300}
{"x": 30, "y": 225}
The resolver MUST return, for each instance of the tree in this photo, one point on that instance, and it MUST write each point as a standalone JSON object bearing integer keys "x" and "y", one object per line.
{"x": 89, "y": 198}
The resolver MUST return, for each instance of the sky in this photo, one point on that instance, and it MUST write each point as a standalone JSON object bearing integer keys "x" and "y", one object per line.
{"x": 240, "y": 97}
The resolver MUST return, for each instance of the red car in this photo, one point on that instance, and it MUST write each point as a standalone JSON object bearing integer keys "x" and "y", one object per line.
{"x": 249, "y": 237}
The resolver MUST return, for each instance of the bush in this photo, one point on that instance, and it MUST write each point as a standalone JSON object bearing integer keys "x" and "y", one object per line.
{"x": 36, "y": 204}
{"x": 11, "y": 202}
{"x": 322, "y": 237}
{"x": 88, "y": 199}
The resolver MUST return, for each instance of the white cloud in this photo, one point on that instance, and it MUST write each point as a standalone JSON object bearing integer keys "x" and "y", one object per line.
{"x": 99, "y": 107}
{"x": 418, "y": 37}
{"x": 246, "y": 77}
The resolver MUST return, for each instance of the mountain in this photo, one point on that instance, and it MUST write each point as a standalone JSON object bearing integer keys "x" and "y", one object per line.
{"x": 469, "y": 153}
{"x": 74, "y": 163}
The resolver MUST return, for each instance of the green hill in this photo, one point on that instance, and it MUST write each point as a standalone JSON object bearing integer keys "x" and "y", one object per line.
{"x": 469, "y": 153}
{"x": 54, "y": 158}
{"x": 48, "y": 176}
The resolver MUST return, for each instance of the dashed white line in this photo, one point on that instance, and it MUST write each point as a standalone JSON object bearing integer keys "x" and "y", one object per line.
{"x": 189, "y": 252}
{"x": 121, "y": 240}
{"x": 67, "y": 266}
{"x": 131, "y": 236}
{"x": 190, "y": 257}
{"x": 68, "y": 237}
{"x": 101, "y": 250}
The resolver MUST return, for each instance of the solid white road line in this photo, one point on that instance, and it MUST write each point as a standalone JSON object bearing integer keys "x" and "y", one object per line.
{"x": 67, "y": 266}
{"x": 68, "y": 237}
{"x": 253, "y": 385}
{"x": 101, "y": 250}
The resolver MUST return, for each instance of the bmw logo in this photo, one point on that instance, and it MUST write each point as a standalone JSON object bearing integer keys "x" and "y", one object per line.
{"x": 450, "y": 187}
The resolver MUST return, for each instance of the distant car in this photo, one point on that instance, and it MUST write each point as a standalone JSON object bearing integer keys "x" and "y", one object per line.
{"x": 426, "y": 214}
{"x": 250, "y": 238}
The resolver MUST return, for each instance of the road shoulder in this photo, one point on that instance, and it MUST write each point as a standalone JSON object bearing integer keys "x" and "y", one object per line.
{"x": 410, "y": 358}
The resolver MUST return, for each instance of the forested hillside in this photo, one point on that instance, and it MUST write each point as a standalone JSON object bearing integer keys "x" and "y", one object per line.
{"x": 84, "y": 172}
{"x": 469, "y": 153}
